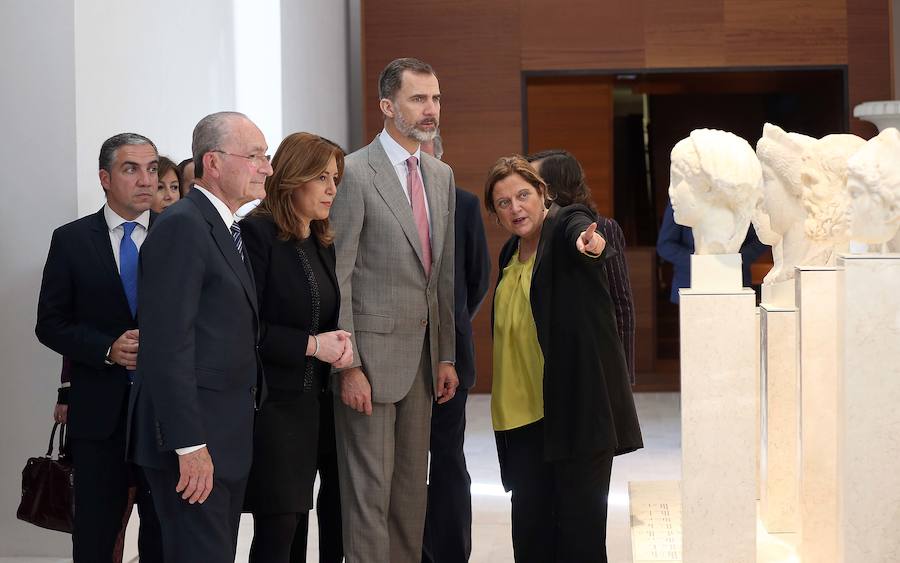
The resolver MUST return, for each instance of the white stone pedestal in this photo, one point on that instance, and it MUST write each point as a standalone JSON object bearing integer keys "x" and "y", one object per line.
{"x": 817, "y": 302}
{"x": 716, "y": 272}
{"x": 780, "y": 458}
{"x": 718, "y": 425}
{"x": 868, "y": 412}
{"x": 781, "y": 294}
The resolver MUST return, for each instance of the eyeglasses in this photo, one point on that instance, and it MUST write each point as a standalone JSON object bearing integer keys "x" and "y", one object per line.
{"x": 256, "y": 159}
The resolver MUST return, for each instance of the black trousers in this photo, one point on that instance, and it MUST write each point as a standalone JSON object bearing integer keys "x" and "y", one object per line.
{"x": 283, "y": 537}
{"x": 558, "y": 508}
{"x": 448, "y": 520}
{"x": 196, "y": 532}
{"x": 102, "y": 479}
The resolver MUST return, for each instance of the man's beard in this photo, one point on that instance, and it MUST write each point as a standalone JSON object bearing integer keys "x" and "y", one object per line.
{"x": 408, "y": 129}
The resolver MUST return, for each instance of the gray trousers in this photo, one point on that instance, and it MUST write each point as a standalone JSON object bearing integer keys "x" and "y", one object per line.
{"x": 383, "y": 467}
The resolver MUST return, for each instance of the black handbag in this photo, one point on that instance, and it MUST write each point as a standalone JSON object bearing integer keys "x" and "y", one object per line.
{"x": 48, "y": 488}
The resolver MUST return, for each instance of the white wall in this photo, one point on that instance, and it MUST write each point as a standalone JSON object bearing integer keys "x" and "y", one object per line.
{"x": 76, "y": 73}
{"x": 37, "y": 153}
{"x": 314, "y": 58}
{"x": 148, "y": 67}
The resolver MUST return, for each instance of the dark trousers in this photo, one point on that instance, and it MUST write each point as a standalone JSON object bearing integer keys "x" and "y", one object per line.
{"x": 102, "y": 479}
{"x": 448, "y": 520}
{"x": 205, "y": 532}
{"x": 558, "y": 508}
{"x": 283, "y": 537}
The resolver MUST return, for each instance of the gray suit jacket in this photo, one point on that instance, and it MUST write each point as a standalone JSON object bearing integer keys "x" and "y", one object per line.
{"x": 386, "y": 302}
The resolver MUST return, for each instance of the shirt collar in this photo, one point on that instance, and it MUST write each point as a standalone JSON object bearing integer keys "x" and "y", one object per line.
{"x": 224, "y": 212}
{"x": 396, "y": 153}
{"x": 113, "y": 220}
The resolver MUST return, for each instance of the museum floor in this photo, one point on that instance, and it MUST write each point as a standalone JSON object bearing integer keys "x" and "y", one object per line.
{"x": 658, "y": 461}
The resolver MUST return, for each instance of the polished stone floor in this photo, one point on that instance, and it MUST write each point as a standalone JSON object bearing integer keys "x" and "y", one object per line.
{"x": 660, "y": 460}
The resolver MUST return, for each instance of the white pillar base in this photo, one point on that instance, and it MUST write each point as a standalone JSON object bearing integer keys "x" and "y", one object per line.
{"x": 780, "y": 461}
{"x": 868, "y": 413}
{"x": 719, "y": 425}
{"x": 817, "y": 301}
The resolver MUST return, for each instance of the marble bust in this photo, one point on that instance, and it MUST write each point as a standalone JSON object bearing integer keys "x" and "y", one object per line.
{"x": 873, "y": 184}
{"x": 714, "y": 187}
{"x": 780, "y": 216}
{"x": 825, "y": 196}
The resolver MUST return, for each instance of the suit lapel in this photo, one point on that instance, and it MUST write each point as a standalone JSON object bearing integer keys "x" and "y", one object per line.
{"x": 388, "y": 185}
{"x": 103, "y": 246}
{"x": 225, "y": 242}
{"x": 546, "y": 238}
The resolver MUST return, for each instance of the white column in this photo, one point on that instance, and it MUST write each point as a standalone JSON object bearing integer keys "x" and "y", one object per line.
{"x": 719, "y": 386}
{"x": 868, "y": 411}
{"x": 315, "y": 78}
{"x": 779, "y": 505}
{"x": 37, "y": 151}
{"x": 817, "y": 301}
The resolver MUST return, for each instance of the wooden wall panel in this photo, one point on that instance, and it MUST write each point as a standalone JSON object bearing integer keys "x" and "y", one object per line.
{"x": 583, "y": 125}
{"x": 582, "y": 34}
{"x": 685, "y": 34}
{"x": 785, "y": 32}
{"x": 869, "y": 56}
{"x": 480, "y": 48}
{"x": 642, "y": 274}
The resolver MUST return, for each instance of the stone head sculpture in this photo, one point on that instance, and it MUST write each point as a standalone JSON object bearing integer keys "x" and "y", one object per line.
{"x": 825, "y": 196}
{"x": 873, "y": 185}
{"x": 715, "y": 180}
{"x": 780, "y": 217}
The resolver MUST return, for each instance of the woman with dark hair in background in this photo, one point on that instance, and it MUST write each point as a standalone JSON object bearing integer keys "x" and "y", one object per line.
{"x": 289, "y": 242}
{"x": 168, "y": 185}
{"x": 567, "y": 185}
{"x": 561, "y": 401}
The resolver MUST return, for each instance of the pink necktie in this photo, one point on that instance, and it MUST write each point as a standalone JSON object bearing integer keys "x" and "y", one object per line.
{"x": 417, "y": 200}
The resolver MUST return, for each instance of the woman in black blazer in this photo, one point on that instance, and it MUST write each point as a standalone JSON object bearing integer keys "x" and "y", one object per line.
{"x": 292, "y": 255}
{"x": 562, "y": 407}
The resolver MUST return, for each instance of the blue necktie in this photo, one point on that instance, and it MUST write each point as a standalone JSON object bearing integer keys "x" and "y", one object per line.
{"x": 128, "y": 266}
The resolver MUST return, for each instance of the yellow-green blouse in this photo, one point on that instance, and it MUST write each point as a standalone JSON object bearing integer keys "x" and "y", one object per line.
{"x": 517, "y": 394}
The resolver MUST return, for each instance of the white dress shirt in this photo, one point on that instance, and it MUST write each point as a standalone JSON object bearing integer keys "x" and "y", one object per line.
{"x": 398, "y": 157}
{"x": 224, "y": 212}
{"x": 228, "y": 219}
{"x": 117, "y": 230}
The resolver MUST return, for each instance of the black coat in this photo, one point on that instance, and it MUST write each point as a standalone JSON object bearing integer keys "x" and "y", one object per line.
{"x": 588, "y": 405}
{"x": 82, "y": 310}
{"x": 287, "y": 425}
{"x": 197, "y": 371}
{"x": 471, "y": 280}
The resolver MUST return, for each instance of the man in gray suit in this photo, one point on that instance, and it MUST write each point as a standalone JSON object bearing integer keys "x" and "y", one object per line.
{"x": 394, "y": 236}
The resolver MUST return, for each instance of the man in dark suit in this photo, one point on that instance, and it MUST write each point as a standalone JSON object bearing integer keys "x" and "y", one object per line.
{"x": 87, "y": 311}
{"x": 448, "y": 519}
{"x": 191, "y": 413}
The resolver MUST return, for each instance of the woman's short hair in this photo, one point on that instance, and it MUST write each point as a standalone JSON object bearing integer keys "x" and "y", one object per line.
{"x": 300, "y": 158}
{"x": 564, "y": 176}
{"x": 166, "y": 164}
{"x": 505, "y": 167}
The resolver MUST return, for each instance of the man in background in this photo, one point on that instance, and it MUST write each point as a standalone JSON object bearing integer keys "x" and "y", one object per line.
{"x": 448, "y": 520}
{"x": 87, "y": 311}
